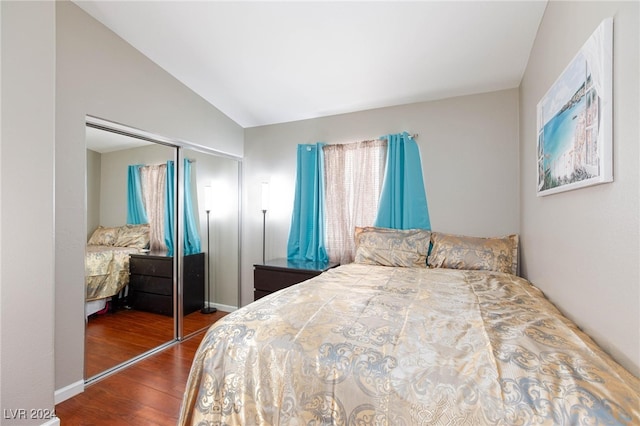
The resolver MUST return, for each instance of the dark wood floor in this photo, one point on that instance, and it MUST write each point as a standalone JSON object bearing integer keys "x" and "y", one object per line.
{"x": 116, "y": 337}
{"x": 148, "y": 392}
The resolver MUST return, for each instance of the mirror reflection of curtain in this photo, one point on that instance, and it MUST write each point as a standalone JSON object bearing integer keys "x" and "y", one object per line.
{"x": 169, "y": 228}
{"x": 136, "y": 213}
{"x": 191, "y": 234}
{"x": 150, "y": 196}
{"x": 153, "y": 180}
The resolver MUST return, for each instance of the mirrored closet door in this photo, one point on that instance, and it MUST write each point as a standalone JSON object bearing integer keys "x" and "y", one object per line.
{"x": 143, "y": 289}
{"x": 117, "y": 328}
{"x": 214, "y": 183}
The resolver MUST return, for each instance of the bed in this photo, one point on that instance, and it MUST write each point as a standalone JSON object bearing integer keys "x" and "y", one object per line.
{"x": 107, "y": 262}
{"x": 388, "y": 341}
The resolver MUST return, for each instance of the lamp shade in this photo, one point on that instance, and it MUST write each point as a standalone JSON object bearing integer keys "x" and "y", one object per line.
{"x": 265, "y": 196}
{"x": 208, "y": 197}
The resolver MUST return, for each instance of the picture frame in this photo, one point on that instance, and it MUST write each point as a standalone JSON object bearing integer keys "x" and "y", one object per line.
{"x": 574, "y": 120}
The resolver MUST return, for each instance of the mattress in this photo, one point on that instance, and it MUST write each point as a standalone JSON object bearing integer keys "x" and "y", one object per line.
{"x": 106, "y": 270}
{"x": 363, "y": 344}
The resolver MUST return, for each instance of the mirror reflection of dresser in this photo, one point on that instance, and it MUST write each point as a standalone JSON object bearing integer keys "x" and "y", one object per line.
{"x": 151, "y": 283}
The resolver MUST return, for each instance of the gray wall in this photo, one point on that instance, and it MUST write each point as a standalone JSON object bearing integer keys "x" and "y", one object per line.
{"x": 94, "y": 161}
{"x": 113, "y": 179}
{"x": 469, "y": 148}
{"x": 582, "y": 247}
{"x": 97, "y": 73}
{"x": 26, "y": 209}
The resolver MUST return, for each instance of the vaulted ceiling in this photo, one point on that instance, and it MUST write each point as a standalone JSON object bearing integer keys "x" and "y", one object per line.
{"x": 270, "y": 62}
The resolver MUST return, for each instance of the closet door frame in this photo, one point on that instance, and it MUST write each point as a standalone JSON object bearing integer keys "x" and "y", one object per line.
{"x": 178, "y": 258}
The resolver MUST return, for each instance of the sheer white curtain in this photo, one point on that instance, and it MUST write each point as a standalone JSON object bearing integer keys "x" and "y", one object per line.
{"x": 153, "y": 180}
{"x": 353, "y": 181}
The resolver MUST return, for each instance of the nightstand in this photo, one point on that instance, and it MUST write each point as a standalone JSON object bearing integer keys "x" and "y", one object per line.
{"x": 151, "y": 282}
{"x": 277, "y": 274}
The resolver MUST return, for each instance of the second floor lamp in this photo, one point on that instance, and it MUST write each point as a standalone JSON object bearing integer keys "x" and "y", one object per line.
{"x": 264, "y": 206}
{"x": 208, "y": 201}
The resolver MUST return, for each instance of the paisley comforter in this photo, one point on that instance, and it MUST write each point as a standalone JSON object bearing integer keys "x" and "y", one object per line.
{"x": 106, "y": 270}
{"x": 361, "y": 345}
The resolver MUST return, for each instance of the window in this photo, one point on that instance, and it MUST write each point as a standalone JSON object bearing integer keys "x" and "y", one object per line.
{"x": 353, "y": 180}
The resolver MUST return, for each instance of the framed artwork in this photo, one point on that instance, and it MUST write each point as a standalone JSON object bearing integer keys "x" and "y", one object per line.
{"x": 574, "y": 120}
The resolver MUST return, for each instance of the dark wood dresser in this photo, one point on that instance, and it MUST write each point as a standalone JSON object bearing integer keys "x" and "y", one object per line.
{"x": 151, "y": 282}
{"x": 277, "y": 274}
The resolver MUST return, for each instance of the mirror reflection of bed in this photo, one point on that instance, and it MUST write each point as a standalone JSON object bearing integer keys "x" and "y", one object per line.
{"x": 129, "y": 265}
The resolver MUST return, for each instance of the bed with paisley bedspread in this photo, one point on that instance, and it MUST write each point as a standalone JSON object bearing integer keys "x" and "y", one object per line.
{"x": 107, "y": 262}
{"x": 365, "y": 344}
{"x": 106, "y": 270}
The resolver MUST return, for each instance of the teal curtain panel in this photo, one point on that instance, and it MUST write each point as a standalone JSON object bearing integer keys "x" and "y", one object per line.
{"x": 403, "y": 201}
{"x": 169, "y": 213}
{"x": 306, "y": 236}
{"x": 136, "y": 213}
{"x": 191, "y": 234}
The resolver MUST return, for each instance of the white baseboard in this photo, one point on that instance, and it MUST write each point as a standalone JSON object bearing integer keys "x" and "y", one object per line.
{"x": 221, "y": 307}
{"x": 52, "y": 422}
{"x": 68, "y": 392}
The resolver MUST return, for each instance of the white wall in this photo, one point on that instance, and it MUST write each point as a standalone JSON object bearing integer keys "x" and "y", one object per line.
{"x": 469, "y": 148}
{"x": 101, "y": 75}
{"x": 26, "y": 210}
{"x": 582, "y": 247}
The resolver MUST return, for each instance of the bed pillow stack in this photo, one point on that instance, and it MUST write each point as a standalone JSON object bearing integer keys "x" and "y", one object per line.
{"x": 392, "y": 247}
{"x": 136, "y": 236}
{"x": 420, "y": 248}
{"x": 498, "y": 254}
{"x": 103, "y": 236}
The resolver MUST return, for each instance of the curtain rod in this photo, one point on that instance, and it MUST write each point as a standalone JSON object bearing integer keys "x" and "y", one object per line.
{"x": 413, "y": 136}
{"x": 190, "y": 160}
{"x": 380, "y": 138}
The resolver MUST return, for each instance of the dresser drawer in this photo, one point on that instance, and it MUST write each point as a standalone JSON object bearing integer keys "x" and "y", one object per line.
{"x": 258, "y": 294}
{"x": 277, "y": 274}
{"x": 151, "y": 284}
{"x": 271, "y": 280}
{"x": 140, "y": 265}
{"x": 151, "y": 302}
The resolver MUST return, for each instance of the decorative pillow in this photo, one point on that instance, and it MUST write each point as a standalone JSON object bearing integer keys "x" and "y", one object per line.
{"x": 103, "y": 236}
{"x": 133, "y": 236}
{"x": 392, "y": 247}
{"x": 461, "y": 252}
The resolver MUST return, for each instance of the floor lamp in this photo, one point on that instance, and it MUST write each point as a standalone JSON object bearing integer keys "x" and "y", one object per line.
{"x": 264, "y": 227}
{"x": 205, "y": 308}
{"x": 265, "y": 205}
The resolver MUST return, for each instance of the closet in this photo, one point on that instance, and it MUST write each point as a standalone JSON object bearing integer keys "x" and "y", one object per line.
{"x": 170, "y": 289}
